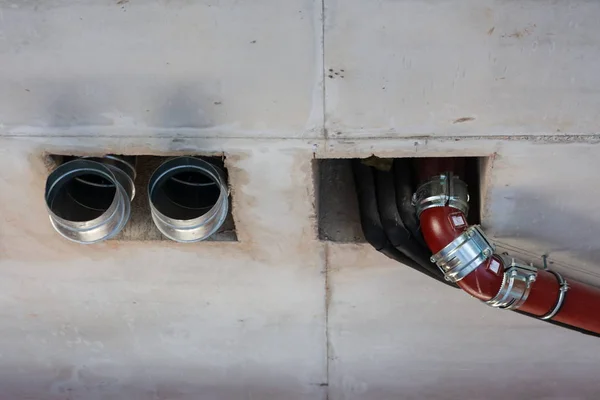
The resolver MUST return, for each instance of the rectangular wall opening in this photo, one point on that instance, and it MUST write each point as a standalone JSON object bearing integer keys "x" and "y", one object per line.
{"x": 337, "y": 205}
{"x": 140, "y": 226}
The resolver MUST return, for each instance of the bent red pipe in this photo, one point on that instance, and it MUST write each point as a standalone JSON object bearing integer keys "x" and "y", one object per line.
{"x": 581, "y": 306}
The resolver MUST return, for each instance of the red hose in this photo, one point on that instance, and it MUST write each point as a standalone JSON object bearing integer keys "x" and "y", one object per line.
{"x": 581, "y": 307}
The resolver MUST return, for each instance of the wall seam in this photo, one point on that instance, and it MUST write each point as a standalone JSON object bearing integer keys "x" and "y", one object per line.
{"x": 326, "y": 260}
{"x": 327, "y": 304}
{"x": 323, "y": 74}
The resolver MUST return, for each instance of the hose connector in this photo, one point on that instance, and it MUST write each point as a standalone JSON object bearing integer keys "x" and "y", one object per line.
{"x": 464, "y": 254}
{"x": 89, "y": 199}
{"x": 516, "y": 284}
{"x": 440, "y": 191}
{"x": 189, "y": 199}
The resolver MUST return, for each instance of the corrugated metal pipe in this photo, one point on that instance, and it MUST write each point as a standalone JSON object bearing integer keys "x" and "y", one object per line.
{"x": 467, "y": 258}
{"x": 89, "y": 199}
{"x": 189, "y": 199}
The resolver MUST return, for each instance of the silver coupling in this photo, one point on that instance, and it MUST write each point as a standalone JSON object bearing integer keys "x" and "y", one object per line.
{"x": 440, "y": 191}
{"x": 464, "y": 254}
{"x": 516, "y": 285}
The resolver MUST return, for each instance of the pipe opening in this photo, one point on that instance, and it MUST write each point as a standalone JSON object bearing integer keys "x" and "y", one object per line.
{"x": 185, "y": 195}
{"x": 83, "y": 198}
{"x": 188, "y": 199}
{"x": 88, "y": 200}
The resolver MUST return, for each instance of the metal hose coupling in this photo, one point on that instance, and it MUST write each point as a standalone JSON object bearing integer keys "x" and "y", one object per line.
{"x": 516, "y": 284}
{"x": 440, "y": 191}
{"x": 464, "y": 254}
{"x": 189, "y": 199}
{"x": 89, "y": 198}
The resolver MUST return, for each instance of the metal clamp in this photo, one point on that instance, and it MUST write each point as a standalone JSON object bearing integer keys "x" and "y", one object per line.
{"x": 564, "y": 287}
{"x": 464, "y": 254}
{"x": 516, "y": 285}
{"x": 442, "y": 190}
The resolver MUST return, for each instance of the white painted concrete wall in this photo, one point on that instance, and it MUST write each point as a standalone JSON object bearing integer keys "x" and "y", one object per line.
{"x": 280, "y": 315}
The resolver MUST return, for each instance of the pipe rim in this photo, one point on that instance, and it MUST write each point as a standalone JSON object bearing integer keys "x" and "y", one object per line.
{"x": 109, "y": 223}
{"x": 197, "y": 228}
{"x": 124, "y": 168}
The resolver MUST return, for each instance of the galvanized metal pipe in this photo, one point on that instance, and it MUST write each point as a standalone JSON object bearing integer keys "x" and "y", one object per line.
{"x": 89, "y": 199}
{"x": 189, "y": 199}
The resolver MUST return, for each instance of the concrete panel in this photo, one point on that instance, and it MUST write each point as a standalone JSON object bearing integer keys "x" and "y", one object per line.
{"x": 395, "y": 334}
{"x": 196, "y": 68}
{"x": 467, "y": 67}
{"x": 263, "y": 317}
{"x": 160, "y": 320}
{"x": 132, "y": 317}
{"x": 540, "y": 201}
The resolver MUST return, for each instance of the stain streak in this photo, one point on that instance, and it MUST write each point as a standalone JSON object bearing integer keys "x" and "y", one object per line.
{"x": 463, "y": 119}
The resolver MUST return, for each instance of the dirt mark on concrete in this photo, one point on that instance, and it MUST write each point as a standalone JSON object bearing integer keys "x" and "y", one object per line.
{"x": 463, "y": 119}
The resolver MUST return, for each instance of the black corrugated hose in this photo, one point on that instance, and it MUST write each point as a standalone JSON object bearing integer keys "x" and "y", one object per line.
{"x": 382, "y": 224}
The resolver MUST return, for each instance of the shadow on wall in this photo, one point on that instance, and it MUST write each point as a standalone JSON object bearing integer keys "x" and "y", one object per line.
{"x": 520, "y": 388}
{"x": 71, "y": 105}
{"x": 542, "y": 219}
{"x": 125, "y": 102}
{"x": 182, "y": 108}
{"x": 70, "y": 383}
{"x": 551, "y": 383}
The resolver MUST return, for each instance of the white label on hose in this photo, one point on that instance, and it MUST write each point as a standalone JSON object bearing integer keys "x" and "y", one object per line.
{"x": 458, "y": 220}
{"x": 495, "y": 266}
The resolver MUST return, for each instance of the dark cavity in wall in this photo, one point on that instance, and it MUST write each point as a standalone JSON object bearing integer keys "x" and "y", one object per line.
{"x": 337, "y": 205}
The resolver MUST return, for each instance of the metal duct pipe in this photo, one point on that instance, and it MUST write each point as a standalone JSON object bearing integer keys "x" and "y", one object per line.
{"x": 189, "y": 199}
{"x": 467, "y": 258}
{"x": 89, "y": 199}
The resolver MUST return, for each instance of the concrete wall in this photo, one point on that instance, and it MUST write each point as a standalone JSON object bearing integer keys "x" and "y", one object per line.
{"x": 279, "y": 314}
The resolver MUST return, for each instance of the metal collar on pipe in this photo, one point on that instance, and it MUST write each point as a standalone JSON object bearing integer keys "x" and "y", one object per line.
{"x": 89, "y": 199}
{"x": 516, "y": 284}
{"x": 464, "y": 254}
{"x": 189, "y": 199}
{"x": 440, "y": 191}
